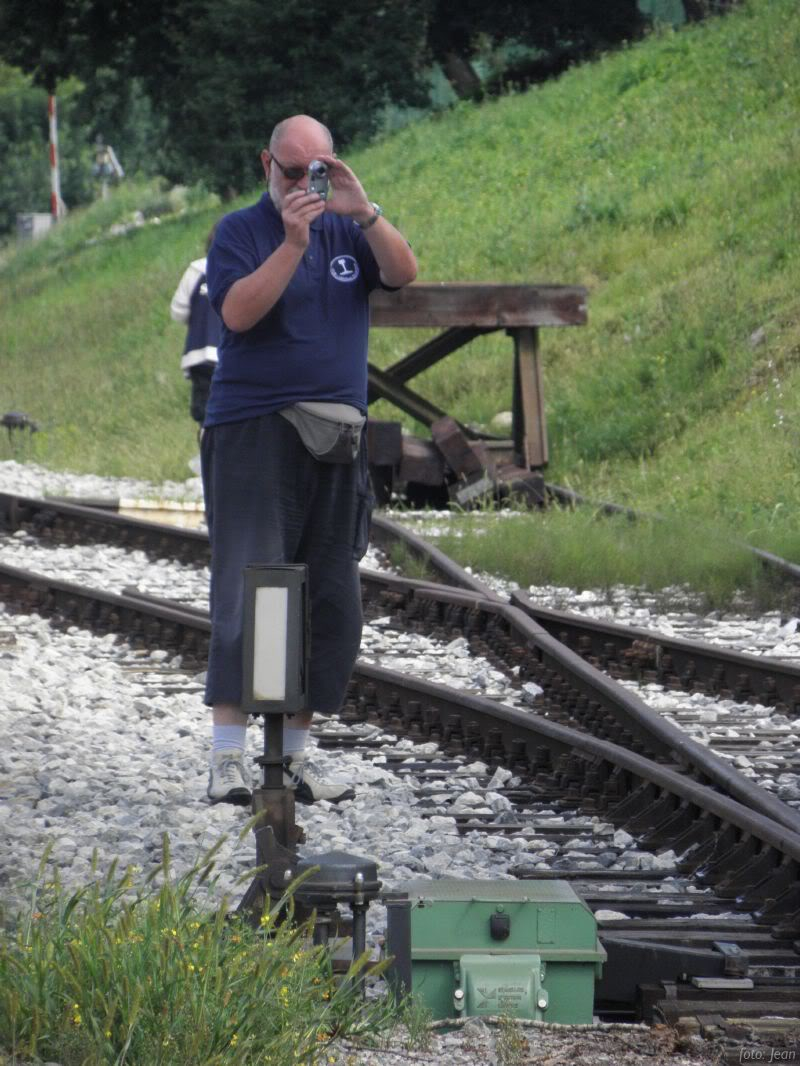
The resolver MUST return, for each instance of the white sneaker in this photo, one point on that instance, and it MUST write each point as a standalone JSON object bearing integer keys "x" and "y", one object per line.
{"x": 228, "y": 779}
{"x": 308, "y": 783}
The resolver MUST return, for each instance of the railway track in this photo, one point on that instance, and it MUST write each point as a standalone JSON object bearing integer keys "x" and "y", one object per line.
{"x": 710, "y": 932}
{"x": 578, "y": 687}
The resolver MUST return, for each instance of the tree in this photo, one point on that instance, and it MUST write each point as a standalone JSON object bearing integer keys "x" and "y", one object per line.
{"x": 241, "y": 66}
{"x": 24, "y": 135}
{"x": 554, "y": 33}
{"x": 224, "y": 71}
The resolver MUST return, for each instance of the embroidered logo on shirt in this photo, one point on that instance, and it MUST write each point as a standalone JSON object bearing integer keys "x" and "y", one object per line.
{"x": 344, "y": 268}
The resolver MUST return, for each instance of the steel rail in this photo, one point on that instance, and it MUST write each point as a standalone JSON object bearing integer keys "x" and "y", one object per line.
{"x": 56, "y": 516}
{"x": 661, "y": 736}
{"x": 176, "y": 628}
{"x": 738, "y": 853}
{"x": 514, "y": 724}
{"x": 670, "y": 660}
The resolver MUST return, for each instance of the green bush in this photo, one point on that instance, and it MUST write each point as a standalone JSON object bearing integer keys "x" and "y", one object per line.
{"x": 121, "y": 971}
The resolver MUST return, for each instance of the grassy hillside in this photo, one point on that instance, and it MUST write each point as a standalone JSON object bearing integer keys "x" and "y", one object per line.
{"x": 663, "y": 177}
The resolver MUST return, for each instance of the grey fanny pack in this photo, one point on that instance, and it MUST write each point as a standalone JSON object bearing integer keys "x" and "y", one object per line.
{"x": 330, "y": 431}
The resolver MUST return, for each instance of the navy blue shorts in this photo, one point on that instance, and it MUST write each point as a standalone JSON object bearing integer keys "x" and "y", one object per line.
{"x": 269, "y": 501}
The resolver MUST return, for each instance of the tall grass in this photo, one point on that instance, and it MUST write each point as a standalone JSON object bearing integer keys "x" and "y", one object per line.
{"x": 121, "y": 971}
{"x": 586, "y": 549}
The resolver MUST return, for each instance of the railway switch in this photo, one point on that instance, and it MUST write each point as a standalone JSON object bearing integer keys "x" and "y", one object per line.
{"x": 525, "y": 949}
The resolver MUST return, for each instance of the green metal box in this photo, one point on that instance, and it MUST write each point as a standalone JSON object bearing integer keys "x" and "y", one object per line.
{"x": 527, "y": 949}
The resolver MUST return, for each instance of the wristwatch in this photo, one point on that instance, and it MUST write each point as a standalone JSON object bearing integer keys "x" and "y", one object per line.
{"x": 377, "y": 211}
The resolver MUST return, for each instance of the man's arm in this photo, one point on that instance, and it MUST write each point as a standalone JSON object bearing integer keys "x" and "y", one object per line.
{"x": 397, "y": 263}
{"x": 253, "y": 296}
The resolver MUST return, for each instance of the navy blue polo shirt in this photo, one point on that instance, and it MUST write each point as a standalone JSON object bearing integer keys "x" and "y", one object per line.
{"x": 312, "y": 345}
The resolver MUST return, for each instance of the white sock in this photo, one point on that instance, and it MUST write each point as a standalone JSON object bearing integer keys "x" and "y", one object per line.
{"x": 294, "y": 740}
{"x": 228, "y": 737}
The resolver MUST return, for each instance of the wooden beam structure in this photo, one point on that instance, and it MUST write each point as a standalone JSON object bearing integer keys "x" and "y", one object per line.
{"x": 446, "y": 304}
{"x": 464, "y": 310}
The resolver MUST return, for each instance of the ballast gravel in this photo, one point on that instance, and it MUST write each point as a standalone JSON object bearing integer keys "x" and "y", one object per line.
{"x": 106, "y": 749}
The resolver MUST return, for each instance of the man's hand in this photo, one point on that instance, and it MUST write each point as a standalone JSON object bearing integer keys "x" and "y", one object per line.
{"x": 300, "y": 208}
{"x": 348, "y": 196}
{"x": 392, "y": 253}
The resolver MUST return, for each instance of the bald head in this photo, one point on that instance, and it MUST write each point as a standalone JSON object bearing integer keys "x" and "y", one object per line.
{"x": 300, "y": 130}
{"x": 294, "y": 143}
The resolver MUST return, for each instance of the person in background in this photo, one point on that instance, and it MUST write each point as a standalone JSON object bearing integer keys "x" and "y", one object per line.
{"x": 191, "y": 305}
{"x": 284, "y": 462}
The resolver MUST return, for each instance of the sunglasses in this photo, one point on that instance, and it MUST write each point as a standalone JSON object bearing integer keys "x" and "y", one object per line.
{"x": 292, "y": 173}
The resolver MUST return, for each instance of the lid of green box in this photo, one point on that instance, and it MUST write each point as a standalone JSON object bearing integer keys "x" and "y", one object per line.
{"x": 452, "y": 890}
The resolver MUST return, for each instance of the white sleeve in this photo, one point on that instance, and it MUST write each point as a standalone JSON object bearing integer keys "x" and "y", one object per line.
{"x": 181, "y": 301}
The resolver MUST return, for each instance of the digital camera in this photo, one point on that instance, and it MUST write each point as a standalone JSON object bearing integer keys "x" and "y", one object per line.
{"x": 318, "y": 178}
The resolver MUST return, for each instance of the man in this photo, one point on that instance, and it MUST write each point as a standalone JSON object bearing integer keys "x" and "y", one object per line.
{"x": 290, "y": 278}
{"x": 190, "y": 305}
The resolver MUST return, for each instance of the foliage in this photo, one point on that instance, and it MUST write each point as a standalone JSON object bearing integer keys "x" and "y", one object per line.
{"x": 680, "y": 395}
{"x": 556, "y": 34}
{"x": 259, "y": 64}
{"x": 106, "y": 106}
{"x": 224, "y": 72}
{"x": 192, "y": 88}
{"x": 137, "y": 972}
{"x": 24, "y": 136}
{"x": 511, "y": 1045}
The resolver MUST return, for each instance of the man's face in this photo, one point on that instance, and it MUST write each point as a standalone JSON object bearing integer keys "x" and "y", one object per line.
{"x": 287, "y": 168}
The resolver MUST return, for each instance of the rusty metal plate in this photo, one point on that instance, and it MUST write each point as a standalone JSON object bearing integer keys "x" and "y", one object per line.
{"x": 472, "y": 304}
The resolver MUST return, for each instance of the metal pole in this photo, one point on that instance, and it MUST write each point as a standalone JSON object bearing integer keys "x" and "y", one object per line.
{"x": 56, "y": 203}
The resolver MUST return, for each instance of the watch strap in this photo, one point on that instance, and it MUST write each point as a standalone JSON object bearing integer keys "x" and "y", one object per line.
{"x": 377, "y": 211}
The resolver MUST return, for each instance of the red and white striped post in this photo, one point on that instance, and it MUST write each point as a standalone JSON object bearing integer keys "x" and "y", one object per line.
{"x": 56, "y": 203}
